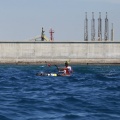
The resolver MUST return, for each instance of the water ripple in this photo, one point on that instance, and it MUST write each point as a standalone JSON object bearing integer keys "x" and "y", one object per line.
{"x": 92, "y": 92}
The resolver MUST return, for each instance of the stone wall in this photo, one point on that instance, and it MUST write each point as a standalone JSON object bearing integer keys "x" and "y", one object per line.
{"x": 77, "y": 52}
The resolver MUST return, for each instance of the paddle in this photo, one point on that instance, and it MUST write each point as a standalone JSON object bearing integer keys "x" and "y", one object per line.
{"x": 57, "y": 67}
{"x": 49, "y": 65}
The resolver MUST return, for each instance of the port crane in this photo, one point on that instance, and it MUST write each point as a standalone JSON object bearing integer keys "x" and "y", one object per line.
{"x": 43, "y": 37}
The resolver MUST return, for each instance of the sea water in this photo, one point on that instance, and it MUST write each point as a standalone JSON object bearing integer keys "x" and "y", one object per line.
{"x": 91, "y": 93}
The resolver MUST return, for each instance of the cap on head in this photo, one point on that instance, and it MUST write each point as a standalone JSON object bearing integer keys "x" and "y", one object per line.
{"x": 66, "y": 63}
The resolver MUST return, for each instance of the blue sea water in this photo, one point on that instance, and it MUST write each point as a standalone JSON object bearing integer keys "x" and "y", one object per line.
{"x": 91, "y": 93}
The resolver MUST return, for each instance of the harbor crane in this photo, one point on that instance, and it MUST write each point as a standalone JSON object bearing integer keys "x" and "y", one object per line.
{"x": 42, "y": 37}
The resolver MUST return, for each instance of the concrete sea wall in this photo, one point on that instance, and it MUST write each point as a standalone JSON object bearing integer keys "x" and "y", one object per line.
{"x": 77, "y": 52}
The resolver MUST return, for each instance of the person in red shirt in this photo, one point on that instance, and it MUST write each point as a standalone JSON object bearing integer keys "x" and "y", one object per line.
{"x": 67, "y": 70}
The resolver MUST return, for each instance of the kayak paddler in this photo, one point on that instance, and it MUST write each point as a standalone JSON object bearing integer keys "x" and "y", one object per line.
{"x": 67, "y": 70}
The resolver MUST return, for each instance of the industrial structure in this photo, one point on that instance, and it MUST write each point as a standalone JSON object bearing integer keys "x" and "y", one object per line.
{"x": 86, "y": 28}
{"x": 112, "y": 33}
{"x": 93, "y": 32}
{"x": 95, "y": 36}
{"x": 93, "y": 27}
{"x": 100, "y": 36}
{"x": 51, "y": 35}
{"x": 99, "y": 27}
{"x": 106, "y": 34}
{"x": 43, "y": 36}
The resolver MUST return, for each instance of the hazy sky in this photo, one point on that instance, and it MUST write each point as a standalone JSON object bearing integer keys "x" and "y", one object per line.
{"x": 24, "y": 19}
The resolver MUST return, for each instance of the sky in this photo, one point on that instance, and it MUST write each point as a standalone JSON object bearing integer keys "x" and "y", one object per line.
{"x": 22, "y": 20}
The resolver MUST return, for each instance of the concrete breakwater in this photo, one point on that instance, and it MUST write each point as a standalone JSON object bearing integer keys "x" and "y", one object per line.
{"x": 76, "y": 52}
